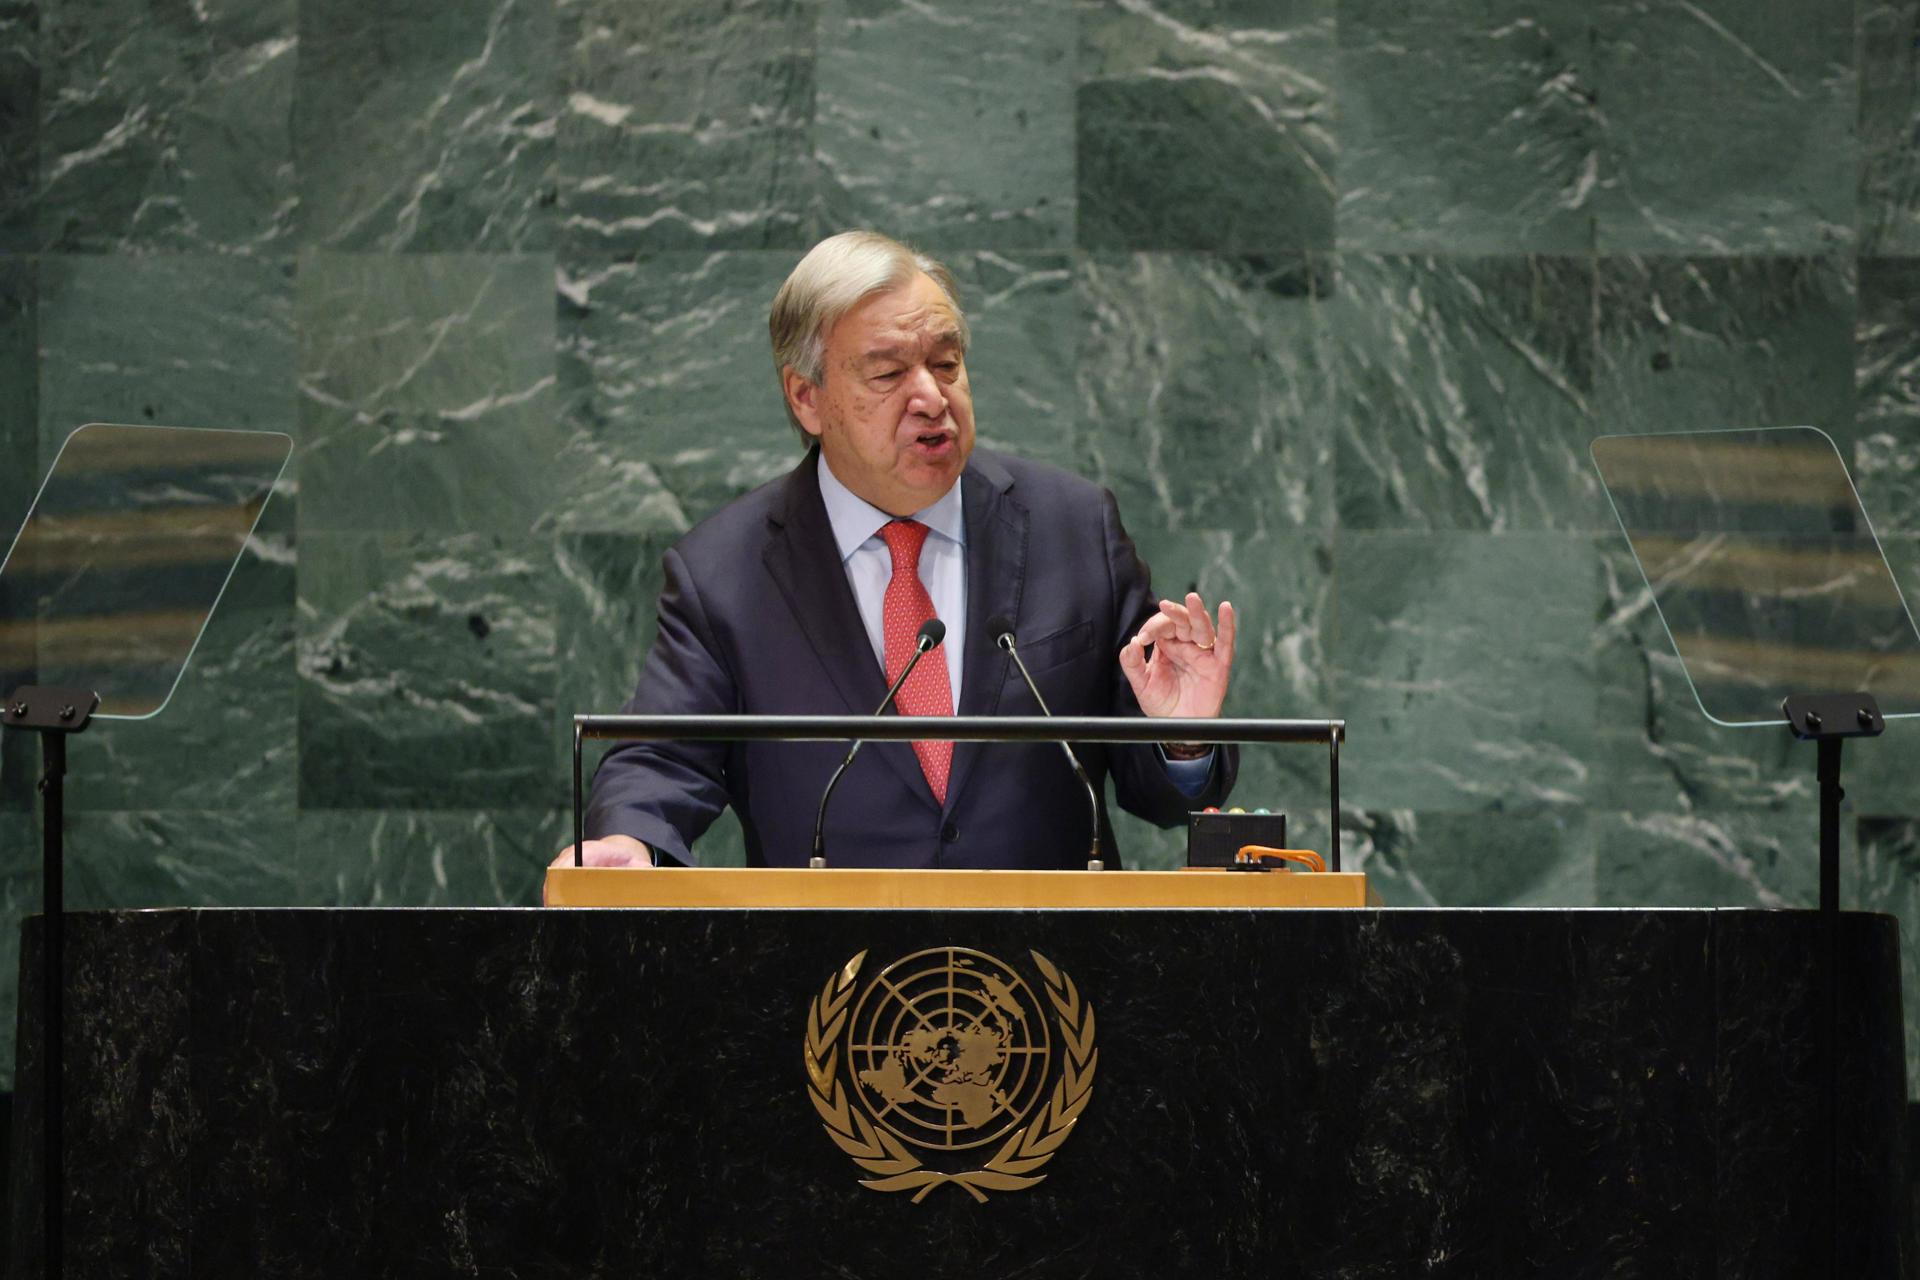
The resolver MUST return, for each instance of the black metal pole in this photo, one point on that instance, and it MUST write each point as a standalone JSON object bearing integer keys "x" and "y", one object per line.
{"x": 1831, "y": 794}
{"x": 1828, "y": 720}
{"x": 1830, "y": 797}
{"x": 53, "y": 755}
{"x": 732, "y": 728}
{"x": 579, "y": 818}
{"x": 55, "y": 713}
{"x": 1333, "y": 803}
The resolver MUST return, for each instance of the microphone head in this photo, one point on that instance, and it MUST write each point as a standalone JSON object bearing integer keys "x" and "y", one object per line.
{"x": 932, "y": 632}
{"x": 1000, "y": 627}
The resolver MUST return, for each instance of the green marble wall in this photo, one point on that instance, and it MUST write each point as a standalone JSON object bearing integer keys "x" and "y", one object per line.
{"x": 1332, "y": 293}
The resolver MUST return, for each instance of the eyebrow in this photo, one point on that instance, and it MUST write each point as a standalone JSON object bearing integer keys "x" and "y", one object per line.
{"x": 898, "y": 351}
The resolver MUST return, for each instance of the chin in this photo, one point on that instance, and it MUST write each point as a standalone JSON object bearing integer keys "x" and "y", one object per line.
{"x": 935, "y": 480}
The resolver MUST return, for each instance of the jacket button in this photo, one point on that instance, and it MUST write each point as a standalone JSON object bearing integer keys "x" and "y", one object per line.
{"x": 949, "y": 833}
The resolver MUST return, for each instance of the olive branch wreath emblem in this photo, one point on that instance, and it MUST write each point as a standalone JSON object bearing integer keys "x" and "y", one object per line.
{"x": 1016, "y": 1165}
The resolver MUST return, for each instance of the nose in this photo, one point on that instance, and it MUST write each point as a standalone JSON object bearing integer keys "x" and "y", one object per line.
{"x": 924, "y": 396}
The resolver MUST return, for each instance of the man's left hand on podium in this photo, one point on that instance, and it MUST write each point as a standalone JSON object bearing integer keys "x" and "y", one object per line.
{"x": 1186, "y": 676}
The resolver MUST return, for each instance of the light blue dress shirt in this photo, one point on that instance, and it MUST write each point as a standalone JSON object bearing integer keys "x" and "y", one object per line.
{"x": 943, "y": 571}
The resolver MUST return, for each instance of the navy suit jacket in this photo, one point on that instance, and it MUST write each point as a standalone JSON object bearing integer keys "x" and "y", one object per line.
{"x": 757, "y": 617}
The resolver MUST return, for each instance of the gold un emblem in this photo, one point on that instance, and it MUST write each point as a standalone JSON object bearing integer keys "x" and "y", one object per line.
{"x": 944, "y": 1057}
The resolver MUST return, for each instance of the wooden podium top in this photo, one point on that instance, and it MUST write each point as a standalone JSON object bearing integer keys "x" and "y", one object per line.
{"x": 848, "y": 887}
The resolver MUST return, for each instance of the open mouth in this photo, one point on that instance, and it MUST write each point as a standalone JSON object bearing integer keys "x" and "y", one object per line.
{"x": 933, "y": 441}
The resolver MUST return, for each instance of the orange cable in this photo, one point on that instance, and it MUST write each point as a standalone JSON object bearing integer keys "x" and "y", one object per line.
{"x": 1303, "y": 857}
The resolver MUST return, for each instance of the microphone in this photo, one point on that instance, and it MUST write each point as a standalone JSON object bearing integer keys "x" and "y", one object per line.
{"x": 1000, "y": 627}
{"x": 932, "y": 632}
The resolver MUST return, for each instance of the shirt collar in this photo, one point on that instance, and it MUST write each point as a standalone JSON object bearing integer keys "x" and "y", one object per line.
{"x": 855, "y": 520}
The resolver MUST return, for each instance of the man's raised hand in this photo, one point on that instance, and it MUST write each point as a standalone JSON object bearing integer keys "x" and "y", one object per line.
{"x": 1192, "y": 660}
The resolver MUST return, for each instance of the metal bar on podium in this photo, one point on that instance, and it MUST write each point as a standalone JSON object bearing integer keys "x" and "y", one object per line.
{"x": 1104, "y": 729}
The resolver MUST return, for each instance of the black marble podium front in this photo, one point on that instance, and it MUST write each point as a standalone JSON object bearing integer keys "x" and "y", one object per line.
{"x": 1288, "y": 1093}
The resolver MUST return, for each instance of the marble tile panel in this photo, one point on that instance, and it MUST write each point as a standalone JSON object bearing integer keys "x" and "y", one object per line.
{"x": 1521, "y": 857}
{"x": 226, "y": 740}
{"x": 1902, "y": 551}
{"x": 19, "y": 124}
{"x": 19, "y": 897}
{"x": 20, "y": 393}
{"x": 19, "y": 769}
{"x": 1145, "y": 847}
{"x": 607, "y": 587}
{"x": 180, "y": 859}
{"x": 1889, "y": 196}
{"x": 224, "y": 357}
{"x": 19, "y": 479}
{"x": 1467, "y": 130}
{"x": 1696, "y": 344}
{"x": 654, "y": 154}
{"x": 1655, "y": 749}
{"x": 1884, "y": 875}
{"x": 1727, "y": 128}
{"x": 1463, "y": 664}
{"x": 607, "y": 590}
{"x": 1882, "y": 443}
{"x": 1204, "y": 390}
{"x": 427, "y": 128}
{"x": 395, "y": 858}
{"x": 1206, "y": 126}
{"x": 186, "y": 341}
{"x": 1880, "y": 774}
{"x": 1464, "y": 394}
{"x": 669, "y": 396}
{"x": 1722, "y": 857}
{"x": 1023, "y": 313}
{"x": 1704, "y": 343}
{"x": 949, "y": 124}
{"x": 427, "y": 672}
{"x": 426, "y": 392}
{"x": 167, "y": 129}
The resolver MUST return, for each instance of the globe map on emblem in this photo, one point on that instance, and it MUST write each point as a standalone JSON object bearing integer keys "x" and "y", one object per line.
{"x": 948, "y": 1049}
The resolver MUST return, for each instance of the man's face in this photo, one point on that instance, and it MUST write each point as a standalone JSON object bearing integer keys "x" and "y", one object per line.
{"x": 892, "y": 412}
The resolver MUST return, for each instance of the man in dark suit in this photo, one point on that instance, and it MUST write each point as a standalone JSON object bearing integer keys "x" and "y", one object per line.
{"x": 803, "y": 597}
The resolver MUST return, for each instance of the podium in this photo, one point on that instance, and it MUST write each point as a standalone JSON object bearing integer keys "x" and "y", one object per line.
{"x": 701, "y": 1091}
{"x": 854, "y": 887}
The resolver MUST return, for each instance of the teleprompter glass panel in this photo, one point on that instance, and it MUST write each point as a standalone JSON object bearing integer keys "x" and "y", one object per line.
{"x": 1764, "y": 569}
{"x": 125, "y": 554}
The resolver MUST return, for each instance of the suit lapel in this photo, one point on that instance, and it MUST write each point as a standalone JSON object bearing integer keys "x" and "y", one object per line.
{"x": 996, "y": 568}
{"x": 804, "y": 562}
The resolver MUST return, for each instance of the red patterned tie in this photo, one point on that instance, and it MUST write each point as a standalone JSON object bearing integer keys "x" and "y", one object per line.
{"x": 907, "y": 607}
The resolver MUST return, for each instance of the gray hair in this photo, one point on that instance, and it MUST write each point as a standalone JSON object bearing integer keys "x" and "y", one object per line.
{"x": 836, "y": 276}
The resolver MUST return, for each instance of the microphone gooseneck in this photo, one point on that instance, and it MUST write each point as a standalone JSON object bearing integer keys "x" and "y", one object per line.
{"x": 932, "y": 632}
{"x": 1001, "y": 629}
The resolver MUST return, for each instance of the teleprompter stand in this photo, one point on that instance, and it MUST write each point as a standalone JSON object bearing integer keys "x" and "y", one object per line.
{"x": 1828, "y": 720}
{"x": 104, "y": 594}
{"x": 55, "y": 714}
